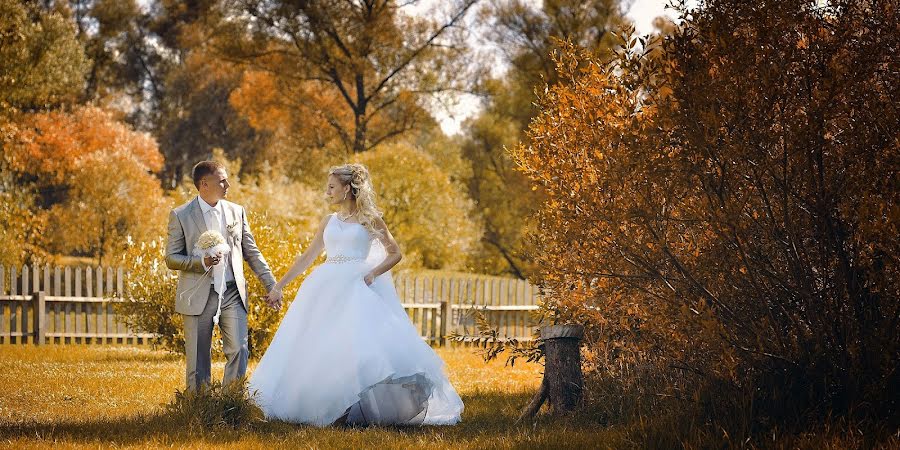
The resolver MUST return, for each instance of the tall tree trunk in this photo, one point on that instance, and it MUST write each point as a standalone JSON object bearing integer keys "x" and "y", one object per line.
{"x": 359, "y": 138}
{"x": 359, "y": 116}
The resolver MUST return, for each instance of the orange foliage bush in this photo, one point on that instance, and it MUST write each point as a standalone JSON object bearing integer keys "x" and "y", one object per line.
{"x": 726, "y": 202}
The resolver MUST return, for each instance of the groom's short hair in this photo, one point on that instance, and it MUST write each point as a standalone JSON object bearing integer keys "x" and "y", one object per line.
{"x": 202, "y": 169}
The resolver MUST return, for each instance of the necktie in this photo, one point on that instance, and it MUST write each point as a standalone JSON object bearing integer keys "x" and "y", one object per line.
{"x": 218, "y": 269}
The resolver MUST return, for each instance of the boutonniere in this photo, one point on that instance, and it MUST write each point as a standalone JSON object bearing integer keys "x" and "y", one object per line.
{"x": 233, "y": 230}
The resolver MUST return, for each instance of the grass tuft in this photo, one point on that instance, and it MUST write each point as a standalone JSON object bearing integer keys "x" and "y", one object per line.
{"x": 216, "y": 406}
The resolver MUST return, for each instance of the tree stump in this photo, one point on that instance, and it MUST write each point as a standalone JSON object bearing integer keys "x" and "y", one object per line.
{"x": 563, "y": 382}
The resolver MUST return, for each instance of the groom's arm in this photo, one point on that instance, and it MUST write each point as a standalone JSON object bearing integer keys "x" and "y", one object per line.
{"x": 253, "y": 256}
{"x": 177, "y": 257}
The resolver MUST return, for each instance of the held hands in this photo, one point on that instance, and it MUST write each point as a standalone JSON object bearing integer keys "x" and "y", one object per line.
{"x": 274, "y": 297}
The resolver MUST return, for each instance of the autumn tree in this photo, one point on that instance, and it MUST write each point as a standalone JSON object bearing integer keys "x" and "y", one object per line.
{"x": 425, "y": 210}
{"x": 197, "y": 116}
{"x": 196, "y": 113}
{"x": 111, "y": 199}
{"x": 373, "y": 55}
{"x": 113, "y": 33}
{"x": 737, "y": 224}
{"x": 150, "y": 60}
{"x": 524, "y": 35}
{"x": 798, "y": 178}
{"x": 296, "y": 119}
{"x": 505, "y": 199}
{"x": 23, "y": 226}
{"x": 42, "y": 66}
{"x": 94, "y": 173}
{"x": 133, "y": 47}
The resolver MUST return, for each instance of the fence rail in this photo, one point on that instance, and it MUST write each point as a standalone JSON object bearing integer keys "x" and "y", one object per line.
{"x": 74, "y": 305}
{"x": 506, "y": 303}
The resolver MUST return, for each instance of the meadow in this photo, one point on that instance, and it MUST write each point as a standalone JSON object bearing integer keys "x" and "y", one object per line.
{"x": 105, "y": 396}
{"x": 116, "y": 397}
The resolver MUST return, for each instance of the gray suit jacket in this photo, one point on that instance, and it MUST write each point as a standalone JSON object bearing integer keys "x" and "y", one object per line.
{"x": 186, "y": 224}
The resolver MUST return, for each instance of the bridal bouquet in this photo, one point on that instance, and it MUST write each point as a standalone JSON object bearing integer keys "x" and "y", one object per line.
{"x": 211, "y": 243}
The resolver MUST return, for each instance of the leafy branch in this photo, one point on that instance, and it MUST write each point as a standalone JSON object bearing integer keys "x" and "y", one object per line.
{"x": 491, "y": 344}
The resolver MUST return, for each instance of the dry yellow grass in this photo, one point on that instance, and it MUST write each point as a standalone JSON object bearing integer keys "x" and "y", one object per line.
{"x": 106, "y": 396}
{"x": 80, "y": 396}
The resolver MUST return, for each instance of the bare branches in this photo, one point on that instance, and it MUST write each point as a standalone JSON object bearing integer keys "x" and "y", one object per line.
{"x": 362, "y": 50}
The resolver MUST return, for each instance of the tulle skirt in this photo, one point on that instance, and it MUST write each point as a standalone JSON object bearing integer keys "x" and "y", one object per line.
{"x": 345, "y": 348}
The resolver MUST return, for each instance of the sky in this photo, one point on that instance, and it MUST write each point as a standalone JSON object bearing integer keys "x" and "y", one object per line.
{"x": 641, "y": 12}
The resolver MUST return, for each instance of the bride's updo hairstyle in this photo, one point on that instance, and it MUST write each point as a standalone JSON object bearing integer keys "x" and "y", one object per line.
{"x": 361, "y": 191}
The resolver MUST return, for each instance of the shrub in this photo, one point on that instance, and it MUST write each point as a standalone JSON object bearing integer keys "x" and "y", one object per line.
{"x": 215, "y": 406}
{"x": 734, "y": 225}
{"x": 149, "y": 305}
{"x": 21, "y": 236}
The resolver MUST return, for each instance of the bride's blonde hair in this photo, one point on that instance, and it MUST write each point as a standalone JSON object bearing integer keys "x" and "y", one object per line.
{"x": 362, "y": 192}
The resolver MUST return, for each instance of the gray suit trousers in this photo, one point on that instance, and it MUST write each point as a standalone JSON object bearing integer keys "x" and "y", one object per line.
{"x": 198, "y": 332}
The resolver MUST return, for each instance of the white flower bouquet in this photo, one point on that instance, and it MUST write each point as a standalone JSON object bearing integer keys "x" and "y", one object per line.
{"x": 211, "y": 243}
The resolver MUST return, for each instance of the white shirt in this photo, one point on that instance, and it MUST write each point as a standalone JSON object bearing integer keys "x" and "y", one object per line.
{"x": 207, "y": 210}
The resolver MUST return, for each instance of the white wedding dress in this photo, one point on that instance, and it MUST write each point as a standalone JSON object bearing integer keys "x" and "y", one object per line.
{"x": 343, "y": 345}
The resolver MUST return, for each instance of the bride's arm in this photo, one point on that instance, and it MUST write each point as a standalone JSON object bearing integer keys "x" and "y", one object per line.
{"x": 390, "y": 246}
{"x": 305, "y": 259}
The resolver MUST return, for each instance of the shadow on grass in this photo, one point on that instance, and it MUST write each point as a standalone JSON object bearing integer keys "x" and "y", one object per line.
{"x": 487, "y": 422}
{"x": 154, "y": 427}
{"x": 160, "y": 357}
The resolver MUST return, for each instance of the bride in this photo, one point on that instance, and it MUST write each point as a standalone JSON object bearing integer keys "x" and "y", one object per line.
{"x": 346, "y": 351}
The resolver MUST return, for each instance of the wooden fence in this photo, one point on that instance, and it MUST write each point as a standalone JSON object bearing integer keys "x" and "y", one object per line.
{"x": 63, "y": 305}
{"x": 429, "y": 298}
{"x": 74, "y": 305}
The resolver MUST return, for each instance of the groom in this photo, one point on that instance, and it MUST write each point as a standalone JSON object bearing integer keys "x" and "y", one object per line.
{"x": 204, "y": 282}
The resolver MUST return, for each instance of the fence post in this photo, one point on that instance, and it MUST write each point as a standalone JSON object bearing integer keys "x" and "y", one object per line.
{"x": 446, "y": 317}
{"x": 40, "y": 323}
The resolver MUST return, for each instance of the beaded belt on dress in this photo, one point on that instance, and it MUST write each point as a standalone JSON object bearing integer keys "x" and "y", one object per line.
{"x": 341, "y": 259}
